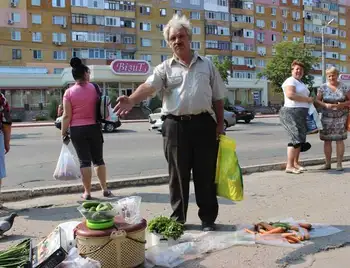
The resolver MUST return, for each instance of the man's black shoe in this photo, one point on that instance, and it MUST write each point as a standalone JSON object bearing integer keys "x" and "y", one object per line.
{"x": 207, "y": 227}
{"x": 305, "y": 147}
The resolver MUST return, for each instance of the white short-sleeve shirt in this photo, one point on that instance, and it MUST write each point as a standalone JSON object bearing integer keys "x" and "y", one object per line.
{"x": 300, "y": 89}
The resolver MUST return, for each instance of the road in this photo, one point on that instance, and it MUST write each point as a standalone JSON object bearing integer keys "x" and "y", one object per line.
{"x": 134, "y": 151}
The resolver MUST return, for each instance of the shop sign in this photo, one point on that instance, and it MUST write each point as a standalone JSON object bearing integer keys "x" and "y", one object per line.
{"x": 130, "y": 67}
{"x": 344, "y": 77}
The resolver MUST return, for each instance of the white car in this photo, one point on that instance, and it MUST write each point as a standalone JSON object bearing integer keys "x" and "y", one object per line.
{"x": 156, "y": 121}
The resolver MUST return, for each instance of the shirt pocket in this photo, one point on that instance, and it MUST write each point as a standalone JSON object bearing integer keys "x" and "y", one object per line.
{"x": 174, "y": 81}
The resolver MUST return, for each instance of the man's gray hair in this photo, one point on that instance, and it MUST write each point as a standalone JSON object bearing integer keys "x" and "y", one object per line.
{"x": 177, "y": 23}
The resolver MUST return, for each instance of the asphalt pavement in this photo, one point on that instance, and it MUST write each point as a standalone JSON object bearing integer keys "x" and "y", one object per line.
{"x": 134, "y": 151}
{"x": 314, "y": 196}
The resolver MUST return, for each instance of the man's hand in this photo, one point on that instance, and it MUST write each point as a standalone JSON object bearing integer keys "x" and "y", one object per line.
{"x": 7, "y": 147}
{"x": 124, "y": 105}
{"x": 220, "y": 130}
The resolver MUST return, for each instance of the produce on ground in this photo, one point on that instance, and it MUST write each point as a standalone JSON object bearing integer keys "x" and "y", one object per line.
{"x": 97, "y": 211}
{"x": 167, "y": 227}
{"x": 292, "y": 233}
{"x": 17, "y": 255}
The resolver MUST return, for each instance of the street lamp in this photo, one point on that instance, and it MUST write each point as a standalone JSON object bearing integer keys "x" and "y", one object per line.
{"x": 324, "y": 52}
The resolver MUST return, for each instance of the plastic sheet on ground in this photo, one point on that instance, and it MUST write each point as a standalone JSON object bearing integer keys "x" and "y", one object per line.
{"x": 192, "y": 246}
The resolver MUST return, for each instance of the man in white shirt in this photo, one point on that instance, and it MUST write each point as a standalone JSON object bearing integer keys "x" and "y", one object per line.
{"x": 193, "y": 106}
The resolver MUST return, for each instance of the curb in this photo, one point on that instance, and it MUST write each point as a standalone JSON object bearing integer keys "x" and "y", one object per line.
{"x": 23, "y": 194}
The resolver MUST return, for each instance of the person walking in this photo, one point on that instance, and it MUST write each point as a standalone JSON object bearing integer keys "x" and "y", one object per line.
{"x": 5, "y": 136}
{"x": 193, "y": 107}
{"x": 333, "y": 97}
{"x": 79, "y": 115}
{"x": 293, "y": 116}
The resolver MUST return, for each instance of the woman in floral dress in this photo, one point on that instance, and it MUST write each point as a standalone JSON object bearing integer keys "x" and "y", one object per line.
{"x": 333, "y": 97}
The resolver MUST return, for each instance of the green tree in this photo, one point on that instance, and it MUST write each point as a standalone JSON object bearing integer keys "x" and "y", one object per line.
{"x": 278, "y": 68}
{"x": 224, "y": 67}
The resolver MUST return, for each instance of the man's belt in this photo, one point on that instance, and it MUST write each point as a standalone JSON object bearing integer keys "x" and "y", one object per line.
{"x": 186, "y": 117}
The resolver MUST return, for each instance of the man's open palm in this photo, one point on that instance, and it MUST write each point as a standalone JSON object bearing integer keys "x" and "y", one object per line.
{"x": 124, "y": 106}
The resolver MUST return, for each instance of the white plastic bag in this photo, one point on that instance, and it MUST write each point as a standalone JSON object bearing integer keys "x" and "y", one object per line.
{"x": 67, "y": 168}
{"x": 74, "y": 260}
{"x": 130, "y": 207}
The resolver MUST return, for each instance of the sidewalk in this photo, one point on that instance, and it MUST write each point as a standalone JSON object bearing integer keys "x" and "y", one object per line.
{"x": 315, "y": 196}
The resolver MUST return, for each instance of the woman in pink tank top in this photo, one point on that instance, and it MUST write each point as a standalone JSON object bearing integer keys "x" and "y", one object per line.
{"x": 79, "y": 115}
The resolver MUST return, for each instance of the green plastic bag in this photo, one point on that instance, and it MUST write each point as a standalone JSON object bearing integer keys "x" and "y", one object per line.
{"x": 229, "y": 180}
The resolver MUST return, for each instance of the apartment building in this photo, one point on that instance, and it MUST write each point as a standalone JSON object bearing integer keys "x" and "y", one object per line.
{"x": 41, "y": 36}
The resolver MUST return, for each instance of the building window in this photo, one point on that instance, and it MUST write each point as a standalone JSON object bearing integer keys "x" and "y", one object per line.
{"x": 273, "y": 38}
{"x": 163, "y": 58}
{"x": 260, "y": 9}
{"x": 16, "y": 54}
{"x": 145, "y": 10}
{"x": 146, "y": 42}
{"x": 59, "y": 20}
{"x": 222, "y": 3}
{"x": 16, "y": 36}
{"x": 195, "y": 45}
{"x": 59, "y": 37}
{"x": 36, "y": 3}
{"x": 178, "y": 12}
{"x": 145, "y": 26}
{"x": 196, "y": 30}
{"x": 37, "y": 55}
{"x": 273, "y": 24}
{"x": 112, "y": 21}
{"x": 195, "y": 2}
{"x": 58, "y": 70}
{"x": 129, "y": 39}
{"x": 36, "y": 37}
{"x": 162, "y": 12}
{"x": 58, "y": 3}
{"x": 194, "y": 15}
{"x": 146, "y": 57}
{"x": 16, "y": 17}
{"x": 273, "y": 11}
{"x": 60, "y": 55}
{"x": 36, "y": 19}
{"x": 163, "y": 44}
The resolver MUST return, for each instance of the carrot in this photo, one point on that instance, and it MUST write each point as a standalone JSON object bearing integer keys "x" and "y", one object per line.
{"x": 290, "y": 240}
{"x": 294, "y": 228}
{"x": 307, "y": 226}
{"x": 266, "y": 226}
{"x": 287, "y": 234}
{"x": 277, "y": 230}
{"x": 249, "y": 231}
{"x": 293, "y": 238}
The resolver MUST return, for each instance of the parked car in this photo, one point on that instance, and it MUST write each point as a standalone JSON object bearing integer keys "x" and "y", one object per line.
{"x": 156, "y": 121}
{"x": 107, "y": 126}
{"x": 242, "y": 114}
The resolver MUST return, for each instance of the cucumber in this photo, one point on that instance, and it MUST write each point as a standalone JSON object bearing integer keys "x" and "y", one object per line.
{"x": 98, "y": 208}
{"x": 92, "y": 209}
{"x": 88, "y": 205}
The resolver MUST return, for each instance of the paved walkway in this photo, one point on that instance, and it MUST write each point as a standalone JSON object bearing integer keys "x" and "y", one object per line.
{"x": 316, "y": 196}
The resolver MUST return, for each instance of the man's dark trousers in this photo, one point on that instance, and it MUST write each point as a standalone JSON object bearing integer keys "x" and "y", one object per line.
{"x": 190, "y": 143}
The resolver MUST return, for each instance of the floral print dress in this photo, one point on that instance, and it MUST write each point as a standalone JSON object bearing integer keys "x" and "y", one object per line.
{"x": 334, "y": 121}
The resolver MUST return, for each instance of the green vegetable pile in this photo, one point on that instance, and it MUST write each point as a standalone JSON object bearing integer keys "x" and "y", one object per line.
{"x": 16, "y": 256}
{"x": 97, "y": 211}
{"x": 166, "y": 227}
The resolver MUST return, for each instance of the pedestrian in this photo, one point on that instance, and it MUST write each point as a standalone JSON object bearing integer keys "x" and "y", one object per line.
{"x": 5, "y": 136}
{"x": 59, "y": 110}
{"x": 79, "y": 115}
{"x": 193, "y": 107}
{"x": 334, "y": 98}
{"x": 293, "y": 116}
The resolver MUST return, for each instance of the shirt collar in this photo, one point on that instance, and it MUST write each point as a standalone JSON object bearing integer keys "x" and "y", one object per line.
{"x": 194, "y": 57}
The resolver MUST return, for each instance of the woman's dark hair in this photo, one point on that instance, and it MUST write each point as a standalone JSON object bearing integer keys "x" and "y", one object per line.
{"x": 78, "y": 69}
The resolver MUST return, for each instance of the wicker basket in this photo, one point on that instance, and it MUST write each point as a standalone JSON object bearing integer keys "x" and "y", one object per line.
{"x": 120, "y": 247}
